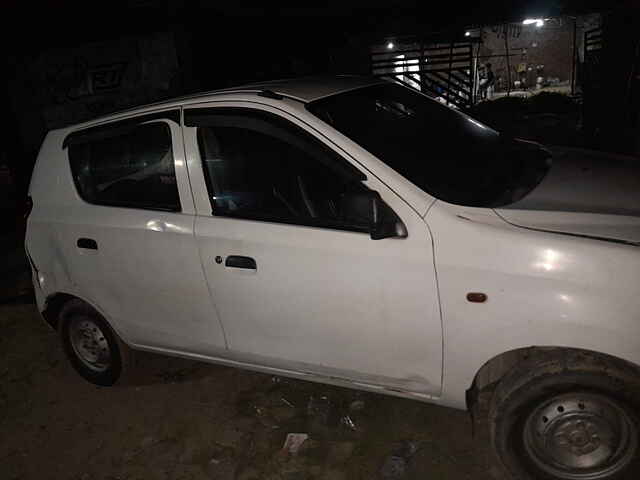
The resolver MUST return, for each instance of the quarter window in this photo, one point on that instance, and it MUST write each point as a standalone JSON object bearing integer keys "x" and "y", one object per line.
{"x": 261, "y": 167}
{"x": 131, "y": 167}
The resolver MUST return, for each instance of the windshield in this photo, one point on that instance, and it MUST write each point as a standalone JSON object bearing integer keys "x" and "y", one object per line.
{"x": 444, "y": 152}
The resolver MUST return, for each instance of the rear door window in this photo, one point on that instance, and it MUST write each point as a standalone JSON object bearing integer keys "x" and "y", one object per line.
{"x": 131, "y": 167}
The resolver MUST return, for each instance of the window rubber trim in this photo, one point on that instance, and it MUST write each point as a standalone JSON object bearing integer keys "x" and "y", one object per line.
{"x": 295, "y": 222}
{"x": 117, "y": 127}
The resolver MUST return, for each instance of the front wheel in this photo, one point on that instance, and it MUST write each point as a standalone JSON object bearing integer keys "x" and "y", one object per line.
{"x": 568, "y": 418}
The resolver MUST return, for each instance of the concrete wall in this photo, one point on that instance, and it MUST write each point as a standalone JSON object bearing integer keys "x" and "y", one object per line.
{"x": 69, "y": 85}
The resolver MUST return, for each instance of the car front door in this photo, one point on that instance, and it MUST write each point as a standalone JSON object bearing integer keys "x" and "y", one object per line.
{"x": 296, "y": 285}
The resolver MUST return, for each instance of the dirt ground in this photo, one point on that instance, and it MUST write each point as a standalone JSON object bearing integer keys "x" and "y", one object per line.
{"x": 177, "y": 419}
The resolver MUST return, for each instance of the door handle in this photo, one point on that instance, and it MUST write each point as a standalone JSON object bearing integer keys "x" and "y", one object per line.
{"x": 88, "y": 243}
{"x": 237, "y": 261}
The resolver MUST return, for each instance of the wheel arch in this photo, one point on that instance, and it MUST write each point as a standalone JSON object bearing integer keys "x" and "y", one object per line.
{"x": 494, "y": 369}
{"x": 54, "y": 303}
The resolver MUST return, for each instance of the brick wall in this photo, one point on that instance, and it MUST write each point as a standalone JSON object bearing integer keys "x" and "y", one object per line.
{"x": 545, "y": 51}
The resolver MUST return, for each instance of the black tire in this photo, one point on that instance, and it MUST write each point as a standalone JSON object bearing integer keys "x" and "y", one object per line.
{"x": 107, "y": 369}
{"x": 551, "y": 416}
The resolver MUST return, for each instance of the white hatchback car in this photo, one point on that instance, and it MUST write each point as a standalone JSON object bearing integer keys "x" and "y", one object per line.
{"x": 352, "y": 231}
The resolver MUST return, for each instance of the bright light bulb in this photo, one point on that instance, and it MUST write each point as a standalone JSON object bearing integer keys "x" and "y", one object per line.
{"x": 390, "y": 45}
{"x": 467, "y": 34}
{"x": 530, "y": 21}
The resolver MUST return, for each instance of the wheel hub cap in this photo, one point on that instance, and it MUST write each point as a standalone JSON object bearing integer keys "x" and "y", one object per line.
{"x": 89, "y": 344}
{"x": 580, "y": 436}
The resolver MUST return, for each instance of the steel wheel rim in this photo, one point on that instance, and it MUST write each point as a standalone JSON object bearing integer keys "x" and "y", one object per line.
{"x": 90, "y": 344}
{"x": 580, "y": 436}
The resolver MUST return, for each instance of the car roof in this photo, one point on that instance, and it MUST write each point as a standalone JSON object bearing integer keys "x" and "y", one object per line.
{"x": 304, "y": 89}
{"x": 308, "y": 89}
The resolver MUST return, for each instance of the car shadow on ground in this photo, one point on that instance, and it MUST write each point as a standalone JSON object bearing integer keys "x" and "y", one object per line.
{"x": 175, "y": 418}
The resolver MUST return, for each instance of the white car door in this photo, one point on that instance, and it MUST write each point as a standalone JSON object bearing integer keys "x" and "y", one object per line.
{"x": 127, "y": 236}
{"x": 297, "y": 286}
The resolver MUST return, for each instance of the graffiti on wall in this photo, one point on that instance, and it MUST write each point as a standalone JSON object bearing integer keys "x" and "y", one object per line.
{"x": 95, "y": 79}
{"x": 76, "y": 79}
{"x": 106, "y": 77}
{"x": 63, "y": 86}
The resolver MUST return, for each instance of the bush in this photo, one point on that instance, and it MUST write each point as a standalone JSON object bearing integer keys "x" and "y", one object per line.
{"x": 501, "y": 106}
{"x": 546, "y": 117}
{"x": 551, "y": 102}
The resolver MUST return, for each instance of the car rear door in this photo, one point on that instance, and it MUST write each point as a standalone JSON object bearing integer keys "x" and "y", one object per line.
{"x": 294, "y": 287}
{"x": 127, "y": 234}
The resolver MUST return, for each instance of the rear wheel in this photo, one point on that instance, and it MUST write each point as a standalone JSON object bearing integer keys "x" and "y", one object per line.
{"x": 90, "y": 344}
{"x": 568, "y": 418}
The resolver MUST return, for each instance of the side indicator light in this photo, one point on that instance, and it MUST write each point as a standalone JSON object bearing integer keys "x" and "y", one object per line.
{"x": 476, "y": 297}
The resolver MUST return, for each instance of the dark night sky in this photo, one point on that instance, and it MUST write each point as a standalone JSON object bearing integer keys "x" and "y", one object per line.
{"x": 229, "y": 33}
{"x": 273, "y": 28}
{"x": 37, "y": 25}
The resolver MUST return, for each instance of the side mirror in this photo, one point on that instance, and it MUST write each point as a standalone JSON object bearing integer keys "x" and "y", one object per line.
{"x": 368, "y": 209}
